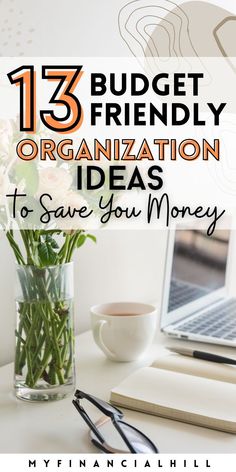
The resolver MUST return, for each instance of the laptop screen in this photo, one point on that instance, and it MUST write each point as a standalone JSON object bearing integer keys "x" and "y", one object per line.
{"x": 198, "y": 267}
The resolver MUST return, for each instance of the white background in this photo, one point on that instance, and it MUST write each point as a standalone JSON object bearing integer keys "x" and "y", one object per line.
{"x": 123, "y": 265}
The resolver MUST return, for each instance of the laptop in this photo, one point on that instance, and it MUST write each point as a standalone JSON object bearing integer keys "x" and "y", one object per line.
{"x": 196, "y": 304}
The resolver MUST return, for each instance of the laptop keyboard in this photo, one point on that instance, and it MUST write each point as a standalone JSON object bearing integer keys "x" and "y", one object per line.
{"x": 217, "y": 322}
{"x": 182, "y": 293}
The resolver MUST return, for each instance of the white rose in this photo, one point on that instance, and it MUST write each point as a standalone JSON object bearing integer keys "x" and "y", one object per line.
{"x": 4, "y": 184}
{"x": 5, "y": 127}
{"x": 5, "y": 135}
{"x": 74, "y": 200}
{"x": 55, "y": 181}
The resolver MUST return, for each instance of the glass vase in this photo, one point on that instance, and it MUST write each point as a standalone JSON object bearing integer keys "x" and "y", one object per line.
{"x": 44, "y": 354}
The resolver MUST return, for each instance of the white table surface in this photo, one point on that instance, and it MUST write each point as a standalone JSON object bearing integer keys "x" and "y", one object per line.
{"x": 56, "y": 427}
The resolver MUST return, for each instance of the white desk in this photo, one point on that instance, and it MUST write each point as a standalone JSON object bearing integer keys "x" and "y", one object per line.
{"x": 56, "y": 427}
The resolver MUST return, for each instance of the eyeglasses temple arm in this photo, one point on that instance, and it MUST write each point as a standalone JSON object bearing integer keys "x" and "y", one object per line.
{"x": 87, "y": 419}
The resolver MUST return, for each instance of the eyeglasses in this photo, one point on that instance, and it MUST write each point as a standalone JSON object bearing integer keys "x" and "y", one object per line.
{"x": 132, "y": 440}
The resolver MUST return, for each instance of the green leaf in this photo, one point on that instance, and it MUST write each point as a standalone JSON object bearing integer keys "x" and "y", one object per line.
{"x": 46, "y": 254}
{"x": 50, "y": 240}
{"x": 92, "y": 237}
{"x": 45, "y": 232}
{"x": 54, "y": 244}
{"x": 81, "y": 240}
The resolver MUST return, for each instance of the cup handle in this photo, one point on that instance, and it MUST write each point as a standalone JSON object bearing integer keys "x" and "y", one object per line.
{"x": 99, "y": 340}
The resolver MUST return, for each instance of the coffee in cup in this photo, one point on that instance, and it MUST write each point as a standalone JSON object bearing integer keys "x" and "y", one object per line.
{"x": 123, "y": 330}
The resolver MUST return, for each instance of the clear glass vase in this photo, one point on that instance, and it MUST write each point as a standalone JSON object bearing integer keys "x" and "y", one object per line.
{"x": 44, "y": 355}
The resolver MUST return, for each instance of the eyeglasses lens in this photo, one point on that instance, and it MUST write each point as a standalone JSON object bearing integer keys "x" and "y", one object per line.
{"x": 111, "y": 436}
{"x": 114, "y": 440}
{"x": 140, "y": 443}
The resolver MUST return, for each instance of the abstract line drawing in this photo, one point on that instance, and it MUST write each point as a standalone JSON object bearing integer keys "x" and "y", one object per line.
{"x": 138, "y": 21}
{"x": 165, "y": 30}
{"x": 216, "y": 31}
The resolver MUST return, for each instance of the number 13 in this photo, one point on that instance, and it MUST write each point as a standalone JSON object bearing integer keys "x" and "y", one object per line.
{"x": 68, "y": 78}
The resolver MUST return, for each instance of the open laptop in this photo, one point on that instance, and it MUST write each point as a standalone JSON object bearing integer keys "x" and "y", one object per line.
{"x": 195, "y": 303}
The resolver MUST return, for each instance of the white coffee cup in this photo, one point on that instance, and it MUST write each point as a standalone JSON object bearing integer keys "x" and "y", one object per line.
{"x": 123, "y": 330}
